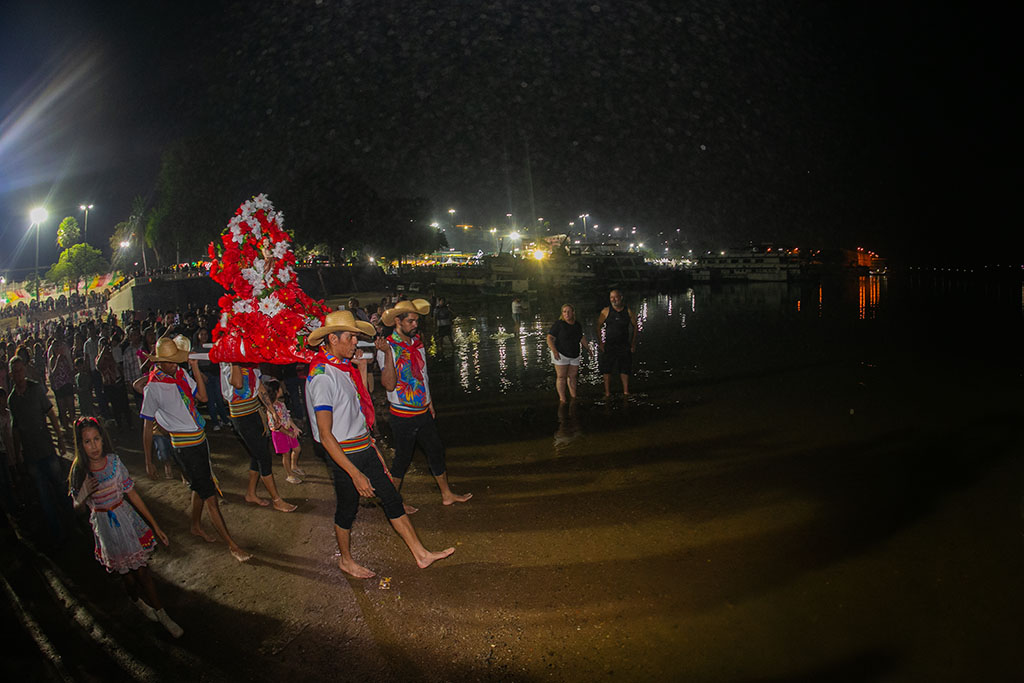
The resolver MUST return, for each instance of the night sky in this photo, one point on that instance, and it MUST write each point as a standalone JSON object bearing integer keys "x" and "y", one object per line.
{"x": 808, "y": 123}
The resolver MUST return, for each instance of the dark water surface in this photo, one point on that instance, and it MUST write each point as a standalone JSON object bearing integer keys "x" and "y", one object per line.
{"x": 714, "y": 332}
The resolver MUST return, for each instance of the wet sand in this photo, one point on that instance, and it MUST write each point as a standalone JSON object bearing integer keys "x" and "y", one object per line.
{"x": 743, "y": 529}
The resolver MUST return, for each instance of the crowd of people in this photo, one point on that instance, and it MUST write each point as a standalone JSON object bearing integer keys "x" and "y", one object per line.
{"x": 149, "y": 370}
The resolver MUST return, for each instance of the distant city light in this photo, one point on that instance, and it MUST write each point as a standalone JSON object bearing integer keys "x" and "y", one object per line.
{"x": 538, "y": 254}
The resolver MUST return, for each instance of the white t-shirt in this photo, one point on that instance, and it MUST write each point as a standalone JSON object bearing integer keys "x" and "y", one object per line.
{"x": 328, "y": 388}
{"x": 163, "y": 402}
{"x": 240, "y": 401}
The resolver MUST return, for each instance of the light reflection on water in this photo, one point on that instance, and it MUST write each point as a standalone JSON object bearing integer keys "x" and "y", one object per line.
{"x": 736, "y": 326}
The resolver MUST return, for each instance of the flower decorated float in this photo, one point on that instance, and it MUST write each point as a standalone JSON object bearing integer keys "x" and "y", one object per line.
{"x": 265, "y": 316}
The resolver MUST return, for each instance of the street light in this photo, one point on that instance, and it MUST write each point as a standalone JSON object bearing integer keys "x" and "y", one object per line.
{"x": 85, "y": 230}
{"x": 37, "y": 216}
{"x": 584, "y": 216}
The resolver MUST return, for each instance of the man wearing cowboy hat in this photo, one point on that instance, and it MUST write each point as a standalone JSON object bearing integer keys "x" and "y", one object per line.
{"x": 340, "y": 417}
{"x": 403, "y": 362}
{"x": 169, "y": 398}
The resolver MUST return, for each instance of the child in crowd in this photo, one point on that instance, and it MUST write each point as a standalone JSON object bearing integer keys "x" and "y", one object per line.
{"x": 285, "y": 434}
{"x": 124, "y": 543}
{"x": 162, "y": 447}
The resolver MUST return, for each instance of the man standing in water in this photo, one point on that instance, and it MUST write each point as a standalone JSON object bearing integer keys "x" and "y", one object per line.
{"x": 403, "y": 372}
{"x": 443, "y": 318}
{"x": 617, "y": 343}
{"x": 340, "y": 418}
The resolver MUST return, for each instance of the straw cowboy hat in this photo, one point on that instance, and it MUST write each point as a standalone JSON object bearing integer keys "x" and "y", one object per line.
{"x": 340, "y": 321}
{"x": 171, "y": 350}
{"x": 421, "y": 306}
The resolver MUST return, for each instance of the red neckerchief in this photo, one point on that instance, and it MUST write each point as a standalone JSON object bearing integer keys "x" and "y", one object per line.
{"x": 179, "y": 380}
{"x": 412, "y": 350}
{"x": 345, "y": 365}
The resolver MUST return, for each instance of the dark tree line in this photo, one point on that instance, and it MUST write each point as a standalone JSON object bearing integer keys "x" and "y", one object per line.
{"x": 203, "y": 179}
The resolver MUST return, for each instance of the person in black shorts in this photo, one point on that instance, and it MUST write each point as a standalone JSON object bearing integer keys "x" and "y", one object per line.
{"x": 616, "y": 343}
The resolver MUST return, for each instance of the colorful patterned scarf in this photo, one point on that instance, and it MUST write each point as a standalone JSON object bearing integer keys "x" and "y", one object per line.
{"x": 180, "y": 381}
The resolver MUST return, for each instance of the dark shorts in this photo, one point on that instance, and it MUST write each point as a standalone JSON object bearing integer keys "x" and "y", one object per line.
{"x": 345, "y": 493}
{"x": 257, "y": 444}
{"x": 444, "y": 331}
{"x": 409, "y": 431}
{"x": 615, "y": 360}
{"x": 195, "y": 463}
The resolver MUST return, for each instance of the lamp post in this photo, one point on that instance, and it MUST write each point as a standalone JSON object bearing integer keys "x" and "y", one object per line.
{"x": 584, "y": 216}
{"x": 85, "y": 230}
{"x": 37, "y": 216}
{"x": 451, "y": 219}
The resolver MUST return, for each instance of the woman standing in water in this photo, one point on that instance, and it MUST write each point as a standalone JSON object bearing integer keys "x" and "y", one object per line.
{"x": 564, "y": 339}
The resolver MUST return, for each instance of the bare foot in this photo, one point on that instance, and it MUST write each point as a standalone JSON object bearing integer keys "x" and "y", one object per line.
{"x": 355, "y": 570}
{"x": 456, "y": 498}
{"x": 240, "y": 554}
{"x": 431, "y": 558}
{"x": 282, "y": 506}
{"x": 256, "y": 500}
{"x": 198, "y": 531}
{"x": 409, "y": 509}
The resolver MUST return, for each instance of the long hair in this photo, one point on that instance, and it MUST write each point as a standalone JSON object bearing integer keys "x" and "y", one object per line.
{"x": 80, "y": 466}
{"x": 272, "y": 386}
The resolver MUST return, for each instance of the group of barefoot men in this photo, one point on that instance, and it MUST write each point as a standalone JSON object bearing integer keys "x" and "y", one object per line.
{"x": 341, "y": 416}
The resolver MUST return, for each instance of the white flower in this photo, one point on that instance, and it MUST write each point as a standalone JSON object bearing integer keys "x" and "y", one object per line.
{"x": 281, "y": 248}
{"x": 237, "y": 232}
{"x": 270, "y": 306}
{"x": 255, "y": 276}
{"x": 260, "y": 201}
{"x": 242, "y": 306}
{"x": 285, "y": 275}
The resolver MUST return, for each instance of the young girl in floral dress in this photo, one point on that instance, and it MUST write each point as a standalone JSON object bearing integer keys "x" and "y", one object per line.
{"x": 284, "y": 433}
{"x": 124, "y": 542}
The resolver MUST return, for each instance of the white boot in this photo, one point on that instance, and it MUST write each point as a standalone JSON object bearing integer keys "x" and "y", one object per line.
{"x": 169, "y": 624}
{"x": 146, "y": 609}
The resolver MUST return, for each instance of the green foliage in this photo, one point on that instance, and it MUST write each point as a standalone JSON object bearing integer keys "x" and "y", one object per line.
{"x": 68, "y": 233}
{"x": 77, "y": 262}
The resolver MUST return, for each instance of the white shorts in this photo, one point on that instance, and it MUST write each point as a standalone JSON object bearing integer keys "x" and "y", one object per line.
{"x": 565, "y": 360}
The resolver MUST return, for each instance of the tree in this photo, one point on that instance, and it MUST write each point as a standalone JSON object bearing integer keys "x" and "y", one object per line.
{"x": 130, "y": 232}
{"x": 68, "y": 233}
{"x": 120, "y": 256}
{"x": 77, "y": 262}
